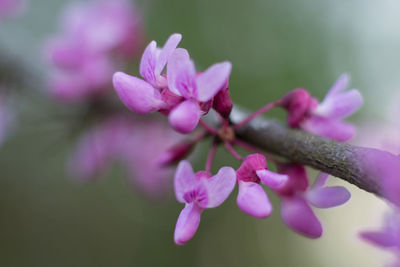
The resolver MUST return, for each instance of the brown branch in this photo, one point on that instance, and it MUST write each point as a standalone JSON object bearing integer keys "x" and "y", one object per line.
{"x": 337, "y": 159}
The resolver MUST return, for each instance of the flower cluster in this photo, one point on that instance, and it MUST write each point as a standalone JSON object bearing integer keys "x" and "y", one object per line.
{"x": 125, "y": 140}
{"x": 172, "y": 87}
{"x": 96, "y": 37}
{"x": 325, "y": 118}
{"x": 11, "y": 7}
{"x": 182, "y": 94}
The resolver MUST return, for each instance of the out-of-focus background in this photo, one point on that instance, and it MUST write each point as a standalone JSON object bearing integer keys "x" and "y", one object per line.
{"x": 47, "y": 219}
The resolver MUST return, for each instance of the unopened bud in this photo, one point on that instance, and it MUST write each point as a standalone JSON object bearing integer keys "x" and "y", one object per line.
{"x": 175, "y": 154}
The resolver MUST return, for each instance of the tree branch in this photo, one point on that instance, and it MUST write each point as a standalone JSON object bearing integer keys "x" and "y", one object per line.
{"x": 337, "y": 159}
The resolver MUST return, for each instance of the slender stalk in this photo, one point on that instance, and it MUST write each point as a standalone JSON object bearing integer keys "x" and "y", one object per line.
{"x": 211, "y": 156}
{"x": 207, "y": 127}
{"x": 231, "y": 150}
{"x": 254, "y": 115}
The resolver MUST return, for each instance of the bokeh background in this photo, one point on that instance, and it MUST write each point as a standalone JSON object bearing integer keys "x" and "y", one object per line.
{"x": 47, "y": 219}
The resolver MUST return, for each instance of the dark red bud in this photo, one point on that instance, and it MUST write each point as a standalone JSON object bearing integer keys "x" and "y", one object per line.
{"x": 175, "y": 154}
{"x": 298, "y": 104}
{"x": 252, "y": 163}
{"x": 223, "y": 103}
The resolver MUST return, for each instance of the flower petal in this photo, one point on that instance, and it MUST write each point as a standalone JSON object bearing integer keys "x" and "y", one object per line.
{"x": 272, "y": 179}
{"x": 321, "y": 180}
{"x": 187, "y": 223}
{"x": 340, "y": 106}
{"x": 341, "y": 83}
{"x": 148, "y": 62}
{"x": 185, "y": 117}
{"x": 220, "y": 186}
{"x": 181, "y": 73}
{"x": 253, "y": 200}
{"x": 138, "y": 95}
{"x": 166, "y": 52}
{"x": 332, "y": 129}
{"x": 328, "y": 197}
{"x": 184, "y": 180}
{"x": 381, "y": 239}
{"x": 298, "y": 215}
{"x": 212, "y": 80}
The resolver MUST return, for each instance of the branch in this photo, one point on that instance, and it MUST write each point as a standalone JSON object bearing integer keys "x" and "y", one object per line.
{"x": 337, "y": 159}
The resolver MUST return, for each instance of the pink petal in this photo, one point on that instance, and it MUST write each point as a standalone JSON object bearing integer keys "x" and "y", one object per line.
{"x": 185, "y": 117}
{"x": 340, "y": 106}
{"x": 381, "y": 239}
{"x": 184, "y": 181}
{"x": 166, "y": 52}
{"x": 321, "y": 180}
{"x": 212, "y": 80}
{"x": 187, "y": 223}
{"x": 220, "y": 186}
{"x": 148, "y": 63}
{"x": 297, "y": 214}
{"x": 328, "y": 197}
{"x": 272, "y": 179}
{"x": 181, "y": 73}
{"x": 253, "y": 200}
{"x": 341, "y": 84}
{"x": 332, "y": 129}
{"x": 91, "y": 156}
{"x": 138, "y": 95}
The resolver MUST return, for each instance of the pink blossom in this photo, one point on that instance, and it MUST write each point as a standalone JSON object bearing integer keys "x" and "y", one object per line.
{"x": 104, "y": 25}
{"x": 198, "y": 192}
{"x": 222, "y": 102}
{"x": 182, "y": 94}
{"x": 296, "y": 197}
{"x": 144, "y": 96}
{"x": 388, "y": 237}
{"x": 325, "y": 118}
{"x": 95, "y": 37}
{"x": 194, "y": 88}
{"x": 384, "y": 169}
{"x": 119, "y": 139}
{"x": 11, "y": 7}
{"x": 252, "y": 198}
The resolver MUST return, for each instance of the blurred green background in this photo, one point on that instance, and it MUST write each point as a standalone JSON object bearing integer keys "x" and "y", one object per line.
{"x": 49, "y": 220}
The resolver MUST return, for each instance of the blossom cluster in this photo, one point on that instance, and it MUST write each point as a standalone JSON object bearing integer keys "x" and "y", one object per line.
{"x": 171, "y": 86}
{"x": 96, "y": 38}
{"x": 10, "y": 8}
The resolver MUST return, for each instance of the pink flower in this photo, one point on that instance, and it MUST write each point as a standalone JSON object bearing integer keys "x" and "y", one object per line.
{"x": 145, "y": 96}
{"x": 104, "y": 25}
{"x": 119, "y": 139}
{"x": 252, "y": 198}
{"x": 182, "y": 94}
{"x": 199, "y": 191}
{"x": 296, "y": 197}
{"x": 11, "y": 7}
{"x": 388, "y": 237}
{"x": 384, "y": 168}
{"x": 95, "y": 37}
{"x": 325, "y": 118}
{"x": 194, "y": 88}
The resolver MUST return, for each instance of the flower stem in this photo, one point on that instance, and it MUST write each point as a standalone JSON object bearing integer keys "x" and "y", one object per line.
{"x": 254, "y": 115}
{"x": 231, "y": 150}
{"x": 208, "y": 128}
{"x": 211, "y": 156}
{"x": 254, "y": 149}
